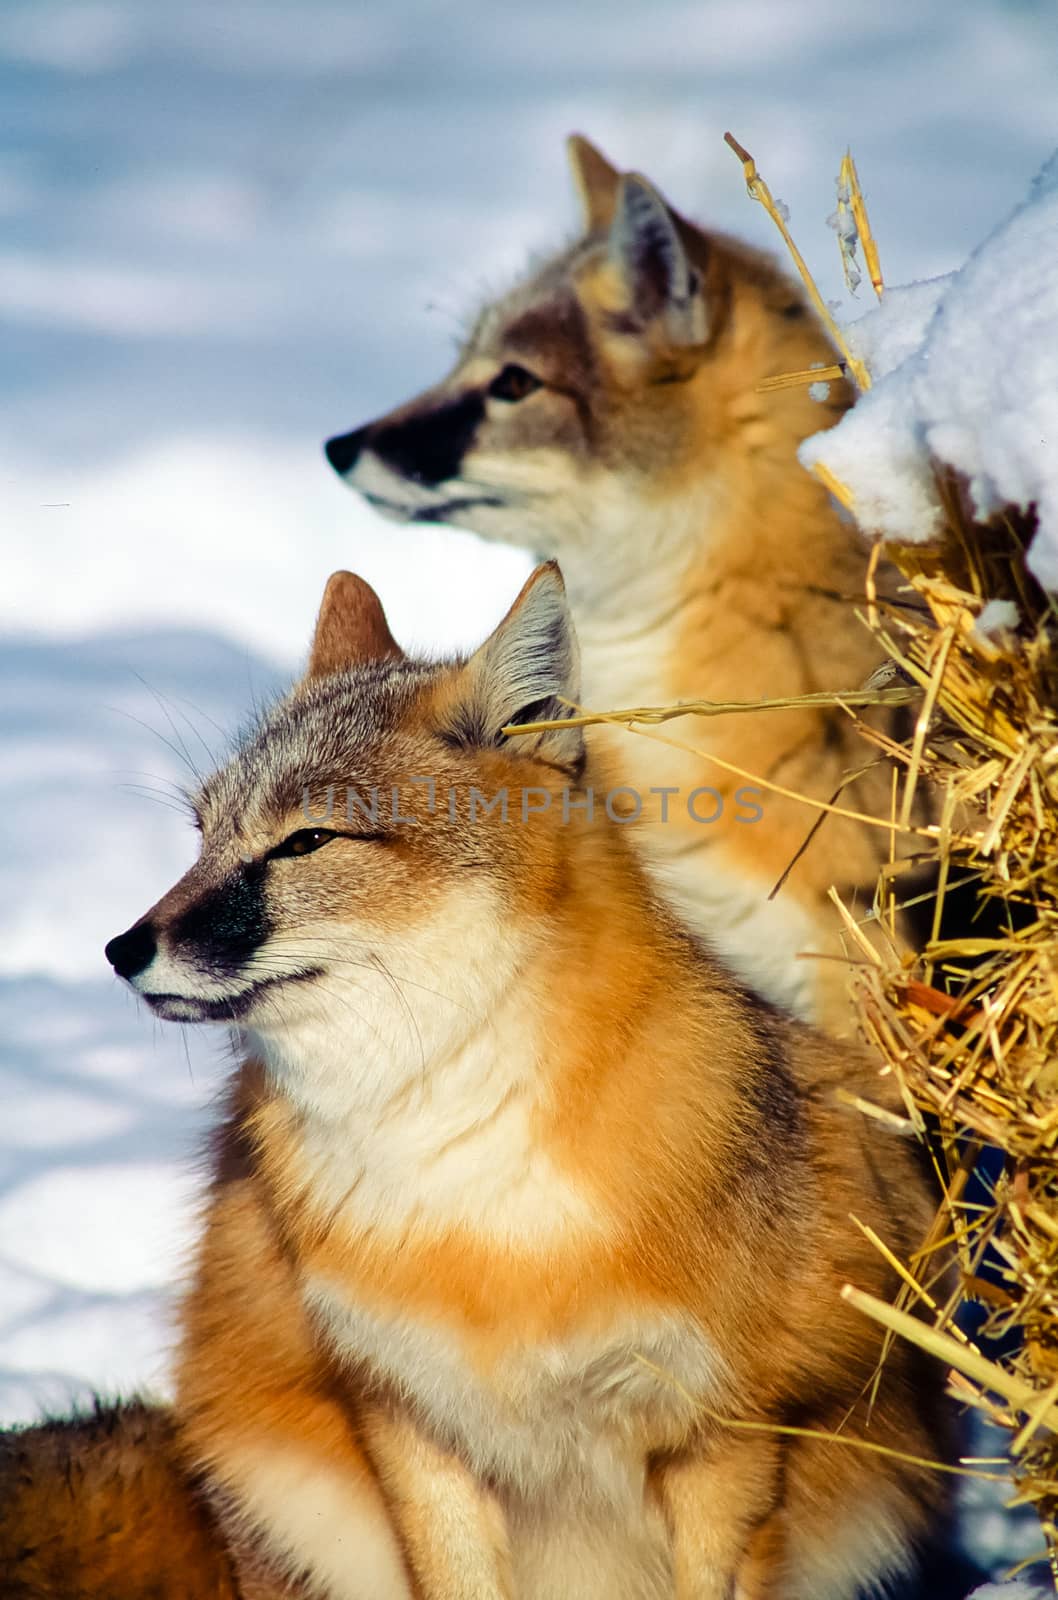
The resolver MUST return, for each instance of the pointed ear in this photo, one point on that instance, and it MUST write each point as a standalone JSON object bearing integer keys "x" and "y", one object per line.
{"x": 350, "y": 628}
{"x": 595, "y": 181}
{"x": 646, "y": 251}
{"x": 520, "y": 671}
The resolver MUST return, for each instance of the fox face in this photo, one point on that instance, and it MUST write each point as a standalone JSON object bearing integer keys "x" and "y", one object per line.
{"x": 599, "y": 402}
{"x": 370, "y": 826}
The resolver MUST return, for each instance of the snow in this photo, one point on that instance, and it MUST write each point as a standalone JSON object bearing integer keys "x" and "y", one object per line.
{"x": 235, "y": 534}
{"x": 844, "y": 225}
{"x": 104, "y": 1109}
{"x": 229, "y": 231}
{"x": 996, "y": 618}
{"x": 965, "y": 372}
{"x": 894, "y": 330}
{"x": 1019, "y": 1589}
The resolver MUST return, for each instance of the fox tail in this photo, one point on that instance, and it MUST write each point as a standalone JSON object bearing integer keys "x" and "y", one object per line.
{"x": 99, "y": 1506}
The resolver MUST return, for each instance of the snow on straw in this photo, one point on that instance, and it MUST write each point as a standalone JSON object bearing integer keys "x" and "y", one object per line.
{"x": 965, "y": 370}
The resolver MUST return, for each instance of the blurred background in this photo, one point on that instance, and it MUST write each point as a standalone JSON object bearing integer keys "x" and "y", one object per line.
{"x": 228, "y": 230}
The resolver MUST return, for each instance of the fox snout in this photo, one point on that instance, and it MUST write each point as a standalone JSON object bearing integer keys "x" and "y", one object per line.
{"x": 132, "y": 950}
{"x": 424, "y": 443}
{"x": 189, "y": 956}
{"x": 343, "y": 451}
{"x": 216, "y": 924}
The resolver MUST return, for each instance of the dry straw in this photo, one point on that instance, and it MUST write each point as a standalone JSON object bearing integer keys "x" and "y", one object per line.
{"x": 968, "y": 1021}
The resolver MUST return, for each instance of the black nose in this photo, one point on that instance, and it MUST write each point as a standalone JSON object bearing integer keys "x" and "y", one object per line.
{"x": 342, "y": 451}
{"x": 130, "y": 952}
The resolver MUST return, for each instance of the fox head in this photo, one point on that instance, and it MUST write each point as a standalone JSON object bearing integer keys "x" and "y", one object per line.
{"x": 608, "y": 397}
{"x": 377, "y": 835}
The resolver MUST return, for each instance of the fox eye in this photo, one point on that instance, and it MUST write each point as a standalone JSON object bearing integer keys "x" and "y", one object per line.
{"x": 513, "y": 383}
{"x": 302, "y": 843}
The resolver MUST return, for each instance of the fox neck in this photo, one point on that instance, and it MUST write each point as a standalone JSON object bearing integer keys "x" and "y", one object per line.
{"x": 631, "y": 571}
{"x": 390, "y": 1018}
{"x": 748, "y": 539}
{"x": 433, "y": 1103}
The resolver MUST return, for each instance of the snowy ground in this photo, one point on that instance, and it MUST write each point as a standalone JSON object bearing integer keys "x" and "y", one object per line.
{"x": 228, "y": 231}
{"x": 103, "y": 1107}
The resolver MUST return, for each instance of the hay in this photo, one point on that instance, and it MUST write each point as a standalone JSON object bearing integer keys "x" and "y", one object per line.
{"x": 968, "y": 1021}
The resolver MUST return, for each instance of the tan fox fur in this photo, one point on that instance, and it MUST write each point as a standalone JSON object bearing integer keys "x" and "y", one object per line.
{"x": 528, "y": 1223}
{"x": 606, "y": 411}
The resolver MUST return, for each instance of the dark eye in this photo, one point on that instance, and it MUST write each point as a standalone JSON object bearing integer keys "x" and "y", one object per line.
{"x": 302, "y": 843}
{"x": 513, "y": 383}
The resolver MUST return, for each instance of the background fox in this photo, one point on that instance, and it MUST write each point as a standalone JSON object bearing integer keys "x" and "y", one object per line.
{"x": 520, "y": 1198}
{"x": 606, "y": 411}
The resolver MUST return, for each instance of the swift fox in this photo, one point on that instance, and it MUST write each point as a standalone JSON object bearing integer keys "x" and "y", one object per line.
{"x": 606, "y": 412}
{"x": 527, "y": 1223}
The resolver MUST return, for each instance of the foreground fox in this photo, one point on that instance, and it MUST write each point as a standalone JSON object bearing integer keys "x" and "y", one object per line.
{"x": 523, "y": 1208}
{"x": 606, "y": 412}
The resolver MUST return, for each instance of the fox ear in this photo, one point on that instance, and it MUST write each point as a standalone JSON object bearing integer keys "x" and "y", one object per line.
{"x": 350, "y": 628}
{"x": 519, "y": 673}
{"x": 647, "y": 252}
{"x": 595, "y": 180}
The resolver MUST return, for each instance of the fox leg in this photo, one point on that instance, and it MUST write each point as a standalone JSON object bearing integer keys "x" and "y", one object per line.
{"x": 851, "y": 1518}
{"x": 298, "y": 1528}
{"x": 717, "y": 1502}
{"x": 270, "y": 1426}
{"x": 453, "y": 1528}
{"x": 763, "y": 1573}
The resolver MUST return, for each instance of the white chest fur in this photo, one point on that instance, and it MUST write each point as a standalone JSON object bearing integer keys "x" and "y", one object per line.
{"x": 562, "y": 1432}
{"x": 545, "y": 1419}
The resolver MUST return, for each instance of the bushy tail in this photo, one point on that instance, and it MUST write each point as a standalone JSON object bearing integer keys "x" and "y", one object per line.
{"x": 98, "y": 1507}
